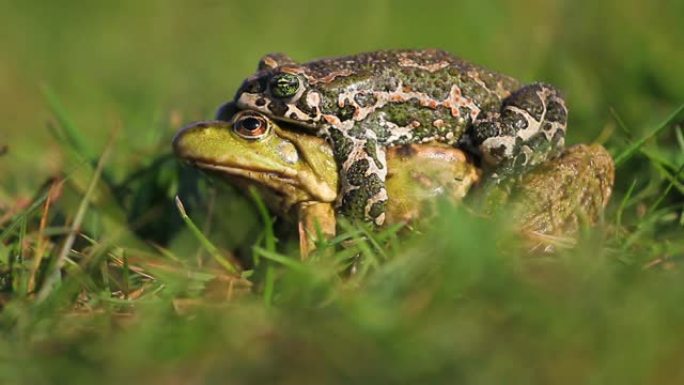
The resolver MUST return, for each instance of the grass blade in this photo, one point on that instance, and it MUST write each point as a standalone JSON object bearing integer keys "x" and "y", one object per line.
{"x": 211, "y": 249}
{"x": 269, "y": 235}
{"x": 68, "y": 132}
{"x": 634, "y": 147}
{"x": 290, "y": 263}
{"x": 270, "y": 243}
{"x": 672, "y": 184}
{"x": 623, "y": 203}
{"x": 620, "y": 122}
{"x": 54, "y": 274}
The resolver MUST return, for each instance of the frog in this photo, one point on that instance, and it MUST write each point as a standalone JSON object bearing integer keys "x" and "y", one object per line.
{"x": 297, "y": 174}
{"x": 366, "y": 103}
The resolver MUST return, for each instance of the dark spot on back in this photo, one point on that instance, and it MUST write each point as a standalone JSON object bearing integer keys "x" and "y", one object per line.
{"x": 278, "y": 108}
{"x": 365, "y": 99}
{"x": 499, "y": 152}
{"x": 557, "y": 137}
{"x": 527, "y": 99}
{"x": 513, "y": 120}
{"x": 358, "y": 131}
{"x": 371, "y": 149}
{"x": 483, "y": 131}
{"x": 377, "y": 208}
{"x": 405, "y": 151}
{"x": 555, "y": 112}
{"x": 464, "y": 112}
{"x": 356, "y": 175}
{"x": 346, "y": 112}
{"x": 342, "y": 145}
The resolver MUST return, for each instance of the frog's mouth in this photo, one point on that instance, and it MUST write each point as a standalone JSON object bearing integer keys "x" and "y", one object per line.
{"x": 251, "y": 173}
{"x": 288, "y": 182}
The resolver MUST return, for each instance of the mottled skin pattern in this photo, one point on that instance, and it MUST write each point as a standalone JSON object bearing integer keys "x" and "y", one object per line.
{"x": 367, "y": 102}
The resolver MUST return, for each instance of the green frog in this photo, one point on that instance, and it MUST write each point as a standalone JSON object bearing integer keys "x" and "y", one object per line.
{"x": 297, "y": 174}
{"x": 366, "y": 103}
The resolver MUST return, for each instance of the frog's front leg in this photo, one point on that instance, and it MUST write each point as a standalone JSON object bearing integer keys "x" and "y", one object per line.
{"x": 315, "y": 219}
{"x": 529, "y": 128}
{"x": 362, "y": 163}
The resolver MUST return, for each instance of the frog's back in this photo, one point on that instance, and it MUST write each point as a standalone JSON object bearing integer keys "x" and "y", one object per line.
{"x": 408, "y": 96}
{"x": 411, "y": 66}
{"x": 378, "y": 61}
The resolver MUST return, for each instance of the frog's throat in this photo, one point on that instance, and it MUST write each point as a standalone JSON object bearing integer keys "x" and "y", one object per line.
{"x": 303, "y": 180}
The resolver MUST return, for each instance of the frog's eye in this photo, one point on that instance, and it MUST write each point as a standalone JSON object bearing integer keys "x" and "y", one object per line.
{"x": 284, "y": 85}
{"x": 251, "y": 127}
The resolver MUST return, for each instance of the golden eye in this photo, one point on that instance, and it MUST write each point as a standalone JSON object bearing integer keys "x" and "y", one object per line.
{"x": 251, "y": 126}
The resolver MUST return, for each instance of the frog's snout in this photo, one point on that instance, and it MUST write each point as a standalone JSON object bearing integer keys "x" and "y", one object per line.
{"x": 176, "y": 143}
{"x": 178, "y": 139}
{"x": 181, "y": 141}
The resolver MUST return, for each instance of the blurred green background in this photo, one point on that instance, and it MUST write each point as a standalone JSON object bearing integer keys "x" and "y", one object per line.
{"x": 148, "y": 66}
{"x": 460, "y": 302}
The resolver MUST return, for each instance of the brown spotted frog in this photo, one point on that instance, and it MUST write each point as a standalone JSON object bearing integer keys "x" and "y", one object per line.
{"x": 365, "y": 104}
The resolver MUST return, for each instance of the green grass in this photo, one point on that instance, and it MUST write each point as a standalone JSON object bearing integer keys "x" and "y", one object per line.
{"x": 103, "y": 281}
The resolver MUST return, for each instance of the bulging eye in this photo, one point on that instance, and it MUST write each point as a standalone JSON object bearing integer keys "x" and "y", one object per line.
{"x": 251, "y": 126}
{"x": 284, "y": 85}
